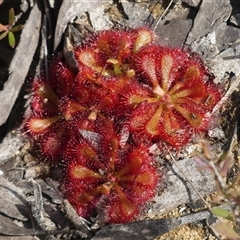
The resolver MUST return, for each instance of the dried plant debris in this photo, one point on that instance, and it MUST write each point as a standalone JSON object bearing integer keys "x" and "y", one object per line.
{"x": 69, "y": 10}
{"x": 13, "y": 201}
{"x": 26, "y": 212}
{"x": 178, "y": 186}
{"x": 210, "y": 15}
{"x": 28, "y": 44}
{"x": 10, "y": 146}
{"x": 147, "y": 229}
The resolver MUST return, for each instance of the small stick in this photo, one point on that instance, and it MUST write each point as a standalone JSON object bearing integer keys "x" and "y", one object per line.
{"x": 163, "y": 14}
{"x": 189, "y": 181}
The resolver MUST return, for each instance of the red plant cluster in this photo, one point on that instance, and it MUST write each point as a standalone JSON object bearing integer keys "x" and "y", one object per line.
{"x": 127, "y": 94}
{"x": 117, "y": 179}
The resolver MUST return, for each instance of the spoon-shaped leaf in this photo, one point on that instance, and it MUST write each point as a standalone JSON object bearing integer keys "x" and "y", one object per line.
{"x": 11, "y": 39}
{"x": 3, "y": 35}
{"x": 225, "y": 230}
{"x": 3, "y": 27}
{"x": 16, "y": 28}
{"x": 11, "y": 17}
{"x": 222, "y": 213}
